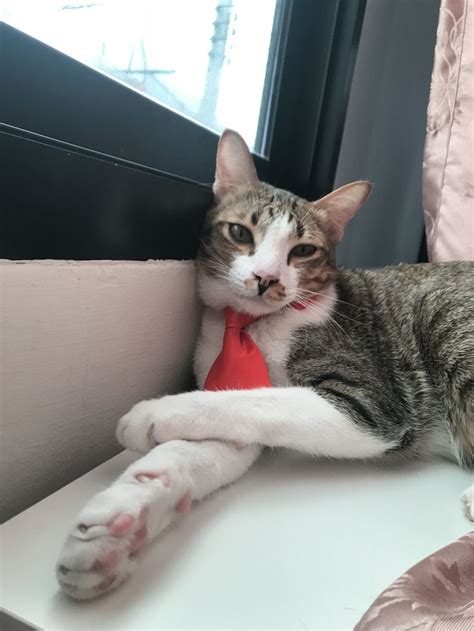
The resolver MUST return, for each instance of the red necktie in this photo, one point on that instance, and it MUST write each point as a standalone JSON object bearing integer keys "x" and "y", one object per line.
{"x": 240, "y": 364}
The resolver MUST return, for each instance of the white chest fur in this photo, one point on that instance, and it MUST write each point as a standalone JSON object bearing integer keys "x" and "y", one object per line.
{"x": 272, "y": 334}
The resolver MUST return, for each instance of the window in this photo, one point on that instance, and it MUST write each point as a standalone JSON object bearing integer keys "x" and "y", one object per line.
{"x": 206, "y": 59}
{"x": 99, "y": 170}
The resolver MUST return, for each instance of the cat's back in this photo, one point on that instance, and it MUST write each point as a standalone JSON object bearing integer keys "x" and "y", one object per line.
{"x": 422, "y": 322}
{"x": 418, "y": 315}
{"x": 429, "y": 304}
{"x": 406, "y": 285}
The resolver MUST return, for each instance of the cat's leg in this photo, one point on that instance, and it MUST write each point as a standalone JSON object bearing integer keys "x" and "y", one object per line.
{"x": 99, "y": 552}
{"x": 467, "y": 499}
{"x": 298, "y": 418}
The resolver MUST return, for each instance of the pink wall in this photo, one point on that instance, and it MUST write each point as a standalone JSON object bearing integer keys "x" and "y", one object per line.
{"x": 81, "y": 343}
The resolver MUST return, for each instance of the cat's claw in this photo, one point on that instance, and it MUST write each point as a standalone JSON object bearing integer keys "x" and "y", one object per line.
{"x": 135, "y": 430}
{"x": 175, "y": 417}
{"x": 101, "y": 548}
{"x": 467, "y": 499}
{"x": 99, "y": 551}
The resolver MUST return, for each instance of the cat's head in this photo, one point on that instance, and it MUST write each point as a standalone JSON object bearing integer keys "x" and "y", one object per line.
{"x": 263, "y": 248}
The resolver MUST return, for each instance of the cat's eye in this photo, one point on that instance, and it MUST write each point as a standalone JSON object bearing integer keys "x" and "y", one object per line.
{"x": 304, "y": 249}
{"x": 240, "y": 234}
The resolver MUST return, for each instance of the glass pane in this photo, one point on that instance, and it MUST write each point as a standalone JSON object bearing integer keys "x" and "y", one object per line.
{"x": 207, "y": 59}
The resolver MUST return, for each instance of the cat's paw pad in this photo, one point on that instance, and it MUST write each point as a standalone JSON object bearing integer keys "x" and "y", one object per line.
{"x": 99, "y": 552}
{"x": 467, "y": 499}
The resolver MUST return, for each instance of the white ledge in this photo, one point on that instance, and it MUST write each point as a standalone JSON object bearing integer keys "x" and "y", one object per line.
{"x": 295, "y": 544}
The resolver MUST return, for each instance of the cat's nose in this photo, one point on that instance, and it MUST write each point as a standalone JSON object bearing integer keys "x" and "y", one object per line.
{"x": 264, "y": 282}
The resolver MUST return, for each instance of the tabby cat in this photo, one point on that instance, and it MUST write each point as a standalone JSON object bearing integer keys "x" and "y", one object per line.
{"x": 379, "y": 364}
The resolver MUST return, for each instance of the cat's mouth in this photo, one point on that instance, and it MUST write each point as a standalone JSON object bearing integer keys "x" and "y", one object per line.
{"x": 256, "y": 305}
{"x": 264, "y": 303}
{"x": 241, "y": 296}
{"x": 271, "y": 293}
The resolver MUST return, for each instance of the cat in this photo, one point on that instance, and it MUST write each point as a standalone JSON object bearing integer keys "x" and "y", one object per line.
{"x": 378, "y": 364}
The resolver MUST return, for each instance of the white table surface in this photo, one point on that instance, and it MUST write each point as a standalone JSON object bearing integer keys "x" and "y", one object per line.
{"x": 295, "y": 544}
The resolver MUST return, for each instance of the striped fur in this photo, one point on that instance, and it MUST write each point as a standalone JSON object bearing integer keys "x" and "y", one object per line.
{"x": 397, "y": 354}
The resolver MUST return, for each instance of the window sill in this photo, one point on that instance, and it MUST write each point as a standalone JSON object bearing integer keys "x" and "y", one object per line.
{"x": 296, "y": 543}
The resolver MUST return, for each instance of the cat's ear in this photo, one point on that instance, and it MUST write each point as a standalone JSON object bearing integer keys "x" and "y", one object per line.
{"x": 341, "y": 205}
{"x": 234, "y": 165}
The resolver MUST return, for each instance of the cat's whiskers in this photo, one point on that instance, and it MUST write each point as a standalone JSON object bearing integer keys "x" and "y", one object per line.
{"x": 292, "y": 309}
{"x": 318, "y": 310}
{"x": 215, "y": 255}
{"x": 315, "y": 294}
{"x": 220, "y": 265}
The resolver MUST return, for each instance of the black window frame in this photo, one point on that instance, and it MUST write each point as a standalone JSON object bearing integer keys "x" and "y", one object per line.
{"x": 61, "y": 122}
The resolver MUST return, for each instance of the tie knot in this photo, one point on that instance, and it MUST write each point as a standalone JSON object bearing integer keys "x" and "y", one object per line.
{"x": 237, "y": 320}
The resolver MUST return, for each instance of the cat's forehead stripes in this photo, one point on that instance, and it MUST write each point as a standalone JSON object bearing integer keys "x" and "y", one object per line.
{"x": 259, "y": 207}
{"x": 255, "y": 217}
{"x": 277, "y": 220}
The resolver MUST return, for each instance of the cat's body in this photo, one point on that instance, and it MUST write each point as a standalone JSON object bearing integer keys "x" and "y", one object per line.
{"x": 395, "y": 364}
{"x": 362, "y": 364}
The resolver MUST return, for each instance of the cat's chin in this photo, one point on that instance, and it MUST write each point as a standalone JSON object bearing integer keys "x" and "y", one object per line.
{"x": 254, "y": 305}
{"x": 216, "y": 294}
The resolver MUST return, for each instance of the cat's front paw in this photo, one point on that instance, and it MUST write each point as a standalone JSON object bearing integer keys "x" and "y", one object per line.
{"x": 98, "y": 554}
{"x": 101, "y": 548}
{"x": 150, "y": 423}
{"x": 135, "y": 429}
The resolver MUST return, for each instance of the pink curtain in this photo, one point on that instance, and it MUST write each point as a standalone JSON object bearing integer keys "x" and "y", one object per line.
{"x": 448, "y": 169}
{"x": 436, "y": 594}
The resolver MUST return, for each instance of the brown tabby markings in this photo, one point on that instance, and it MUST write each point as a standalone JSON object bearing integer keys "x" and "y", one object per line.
{"x": 276, "y": 293}
{"x": 404, "y": 368}
{"x": 255, "y": 209}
